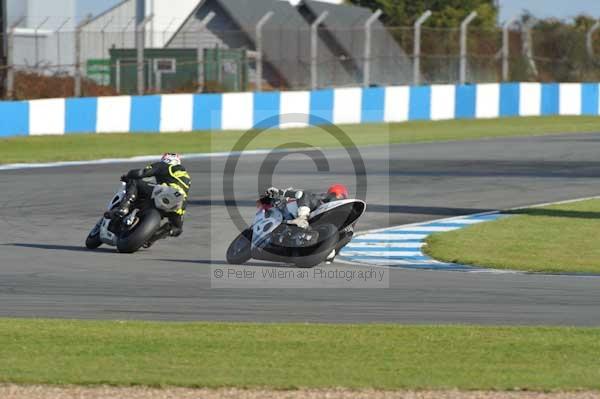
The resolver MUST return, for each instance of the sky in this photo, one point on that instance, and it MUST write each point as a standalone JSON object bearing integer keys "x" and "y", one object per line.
{"x": 95, "y": 7}
{"x": 539, "y": 8}
{"x": 549, "y": 8}
{"x": 508, "y": 8}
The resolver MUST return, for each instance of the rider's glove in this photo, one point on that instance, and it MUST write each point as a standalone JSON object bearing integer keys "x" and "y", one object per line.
{"x": 124, "y": 178}
{"x": 272, "y": 192}
{"x": 302, "y": 218}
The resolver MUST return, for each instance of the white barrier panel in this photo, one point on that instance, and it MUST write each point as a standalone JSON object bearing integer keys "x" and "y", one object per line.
{"x": 487, "y": 97}
{"x": 114, "y": 114}
{"x": 396, "y": 103}
{"x": 47, "y": 117}
{"x": 570, "y": 99}
{"x": 294, "y": 107}
{"x": 530, "y": 99}
{"x": 347, "y": 106}
{"x": 442, "y": 101}
{"x": 176, "y": 112}
{"x": 238, "y": 111}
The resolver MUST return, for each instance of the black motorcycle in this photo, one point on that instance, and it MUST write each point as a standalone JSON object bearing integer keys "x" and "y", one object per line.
{"x": 271, "y": 238}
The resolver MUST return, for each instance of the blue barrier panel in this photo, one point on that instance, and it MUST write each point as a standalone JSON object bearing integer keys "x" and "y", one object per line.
{"x": 208, "y": 111}
{"x": 373, "y": 105}
{"x": 419, "y": 104}
{"x": 509, "y": 99}
{"x": 81, "y": 115}
{"x": 145, "y": 114}
{"x": 321, "y": 107}
{"x": 589, "y": 99}
{"x": 550, "y": 99}
{"x": 14, "y": 118}
{"x": 464, "y": 102}
{"x": 266, "y": 108}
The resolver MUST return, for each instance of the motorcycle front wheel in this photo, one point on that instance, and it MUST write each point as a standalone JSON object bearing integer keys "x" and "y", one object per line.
{"x": 93, "y": 239}
{"x": 239, "y": 249}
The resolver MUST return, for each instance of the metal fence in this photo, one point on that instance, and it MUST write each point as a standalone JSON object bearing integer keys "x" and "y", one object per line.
{"x": 80, "y": 62}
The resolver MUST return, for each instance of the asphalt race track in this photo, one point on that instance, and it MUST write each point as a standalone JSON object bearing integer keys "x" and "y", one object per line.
{"x": 45, "y": 215}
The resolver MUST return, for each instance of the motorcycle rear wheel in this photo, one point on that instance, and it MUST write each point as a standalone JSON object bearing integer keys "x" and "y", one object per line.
{"x": 133, "y": 240}
{"x": 312, "y": 256}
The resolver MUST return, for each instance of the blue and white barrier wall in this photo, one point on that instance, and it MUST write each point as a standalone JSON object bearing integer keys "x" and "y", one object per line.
{"x": 242, "y": 111}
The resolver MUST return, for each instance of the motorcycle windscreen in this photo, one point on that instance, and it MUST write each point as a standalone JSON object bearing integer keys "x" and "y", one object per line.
{"x": 341, "y": 216}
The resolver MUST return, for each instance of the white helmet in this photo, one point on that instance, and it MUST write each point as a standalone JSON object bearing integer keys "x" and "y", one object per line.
{"x": 171, "y": 158}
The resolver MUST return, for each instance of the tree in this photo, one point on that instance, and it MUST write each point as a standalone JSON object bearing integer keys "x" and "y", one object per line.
{"x": 446, "y": 13}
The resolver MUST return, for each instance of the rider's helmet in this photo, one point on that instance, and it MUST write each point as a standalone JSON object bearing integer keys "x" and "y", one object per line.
{"x": 170, "y": 158}
{"x": 337, "y": 192}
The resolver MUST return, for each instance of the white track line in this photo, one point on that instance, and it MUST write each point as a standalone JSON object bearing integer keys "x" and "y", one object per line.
{"x": 143, "y": 158}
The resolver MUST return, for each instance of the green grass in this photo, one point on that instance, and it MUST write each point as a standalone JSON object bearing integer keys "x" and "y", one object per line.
{"x": 284, "y": 356}
{"x": 557, "y": 238}
{"x": 94, "y": 146}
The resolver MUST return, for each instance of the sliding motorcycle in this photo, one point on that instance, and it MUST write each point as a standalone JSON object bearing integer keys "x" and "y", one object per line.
{"x": 272, "y": 238}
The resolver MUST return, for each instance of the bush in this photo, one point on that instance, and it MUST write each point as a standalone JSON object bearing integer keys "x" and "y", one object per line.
{"x": 29, "y": 85}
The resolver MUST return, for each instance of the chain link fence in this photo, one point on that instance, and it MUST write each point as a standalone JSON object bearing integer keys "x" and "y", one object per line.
{"x": 46, "y": 63}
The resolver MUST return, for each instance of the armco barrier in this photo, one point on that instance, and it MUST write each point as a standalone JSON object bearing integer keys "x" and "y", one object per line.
{"x": 242, "y": 111}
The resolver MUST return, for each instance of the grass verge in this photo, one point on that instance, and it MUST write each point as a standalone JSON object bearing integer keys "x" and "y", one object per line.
{"x": 94, "y": 146}
{"x": 287, "y": 356}
{"x": 557, "y": 238}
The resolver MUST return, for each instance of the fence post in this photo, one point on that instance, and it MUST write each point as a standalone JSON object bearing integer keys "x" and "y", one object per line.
{"x": 10, "y": 59}
{"x": 367, "y": 65}
{"x": 140, "y": 44}
{"x": 102, "y": 33}
{"x": 78, "y": 34}
{"x": 417, "y": 47}
{"x": 259, "y": 49}
{"x": 506, "y": 48}
{"x": 463, "y": 46}
{"x": 199, "y": 48}
{"x": 124, "y": 31}
{"x": 313, "y": 49}
{"x": 164, "y": 38}
{"x": 36, "y": 42}
{"x": 58, "y": 40}
{"x": 589, "y": 43}
{"x": 528, "y": 44}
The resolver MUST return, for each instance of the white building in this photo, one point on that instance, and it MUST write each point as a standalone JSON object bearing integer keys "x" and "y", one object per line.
{"x": 45, "y": 37}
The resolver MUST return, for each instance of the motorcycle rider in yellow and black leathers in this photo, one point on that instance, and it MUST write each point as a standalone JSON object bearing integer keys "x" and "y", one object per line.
{"x": 168, "y": 171}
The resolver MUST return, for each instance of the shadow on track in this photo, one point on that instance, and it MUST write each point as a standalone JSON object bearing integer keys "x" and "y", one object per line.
{"x": 424, "y": 210}
{"x": 219, "y": 262}
{"x": 374, "y": 208}
{"x": 555, "y": 213}
{"x": 53, "y": 247}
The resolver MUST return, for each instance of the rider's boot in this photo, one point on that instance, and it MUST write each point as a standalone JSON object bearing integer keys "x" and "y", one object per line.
{"x": 330, "y": 257}
{"x": 162, "y": 232}
{"x": 125, "y": 206}
{"x": 127, "y": 201}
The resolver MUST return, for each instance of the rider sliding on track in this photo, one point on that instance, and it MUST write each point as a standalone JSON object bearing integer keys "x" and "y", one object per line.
{"x": 168, "y": 171}
{"x": 308, "y": 202}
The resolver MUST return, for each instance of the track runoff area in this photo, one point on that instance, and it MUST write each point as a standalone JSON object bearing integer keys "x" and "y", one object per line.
{"x": 421, "y": 187}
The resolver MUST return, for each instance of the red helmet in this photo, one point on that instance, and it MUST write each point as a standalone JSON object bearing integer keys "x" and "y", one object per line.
{"x": 337, "y": 191}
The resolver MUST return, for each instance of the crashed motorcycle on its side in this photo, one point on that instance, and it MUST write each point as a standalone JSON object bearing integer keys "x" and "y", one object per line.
{"x": 271, "y": 238}
{"x": 136, "y": 229}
